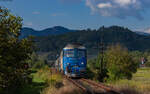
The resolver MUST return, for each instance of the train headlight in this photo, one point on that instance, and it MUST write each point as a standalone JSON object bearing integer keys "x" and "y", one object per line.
{"x": 82, "y": 63}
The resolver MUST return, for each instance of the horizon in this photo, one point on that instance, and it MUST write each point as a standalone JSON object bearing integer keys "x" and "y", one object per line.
{"x": 80, "y": 29}
{"x": 81, "y": 14}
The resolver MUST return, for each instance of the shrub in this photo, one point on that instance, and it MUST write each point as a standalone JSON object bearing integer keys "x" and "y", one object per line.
{"x": 117, "y": 64}
{"x": 120, "y": 64}
{"x": 46, "y": 75}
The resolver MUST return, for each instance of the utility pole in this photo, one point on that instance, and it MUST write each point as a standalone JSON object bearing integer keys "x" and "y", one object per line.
{"x": 102, "y": 55}
{"x": 102, "y": 50}
{"x": 100, "y": 47}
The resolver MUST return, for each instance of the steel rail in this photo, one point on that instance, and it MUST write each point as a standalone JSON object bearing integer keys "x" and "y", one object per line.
{"x": 76, "y": 84}
{"x": 100, "y": 85}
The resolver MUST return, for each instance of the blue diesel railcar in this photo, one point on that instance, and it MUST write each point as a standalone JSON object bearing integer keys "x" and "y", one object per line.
{"x": 73, "y": 60}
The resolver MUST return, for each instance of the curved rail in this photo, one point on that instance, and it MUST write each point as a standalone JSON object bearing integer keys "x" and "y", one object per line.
{"x": 76, "y": 83}
{"x": 100, "y": 85}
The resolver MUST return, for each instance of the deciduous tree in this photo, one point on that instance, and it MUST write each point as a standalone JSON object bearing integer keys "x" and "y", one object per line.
{"x": 13, "y": 51}
{"x": 119, "y": 63}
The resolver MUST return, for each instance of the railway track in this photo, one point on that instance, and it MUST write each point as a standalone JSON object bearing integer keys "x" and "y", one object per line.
{"x": 108, "y": 89}
{"x": 80, "y": 85}
{"x": 91, "y": 85}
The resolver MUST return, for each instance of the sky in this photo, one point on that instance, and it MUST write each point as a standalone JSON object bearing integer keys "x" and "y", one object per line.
{"x": 81, "y": 14}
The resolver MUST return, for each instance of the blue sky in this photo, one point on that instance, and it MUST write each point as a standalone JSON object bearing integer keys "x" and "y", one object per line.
{"x": 81, "y": 14}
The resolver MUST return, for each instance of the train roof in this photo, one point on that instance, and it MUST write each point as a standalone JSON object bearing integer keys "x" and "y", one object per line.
{"x": 74, "y": 45}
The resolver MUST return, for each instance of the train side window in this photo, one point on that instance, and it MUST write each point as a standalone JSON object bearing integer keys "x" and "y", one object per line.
{"x": 81, "y": 53}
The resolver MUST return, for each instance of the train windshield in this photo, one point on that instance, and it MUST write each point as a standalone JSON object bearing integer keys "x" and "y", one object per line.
{"x": 69, "y": 53}
{"x": 73, "y": 53}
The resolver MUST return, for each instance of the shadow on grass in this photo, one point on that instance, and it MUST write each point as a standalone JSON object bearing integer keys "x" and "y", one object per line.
{"x": 33, "y": 71}
{"x": 33, "y": 88}
{"x": 130, "y": 91}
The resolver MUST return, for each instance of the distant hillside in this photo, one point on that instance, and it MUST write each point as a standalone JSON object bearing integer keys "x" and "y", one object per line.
{"x": 91, "y": 38}
{"x": 143, "y": 33}
{"x": 25, "y": 32}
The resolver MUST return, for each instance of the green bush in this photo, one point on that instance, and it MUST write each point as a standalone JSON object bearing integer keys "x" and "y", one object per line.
{"x": 39, "y": 64}
{"x": 120, "y": 63}
{"x": 117, "y": 64}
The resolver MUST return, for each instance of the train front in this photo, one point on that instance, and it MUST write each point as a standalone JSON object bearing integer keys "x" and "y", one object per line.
{"x": 74, "y": 60}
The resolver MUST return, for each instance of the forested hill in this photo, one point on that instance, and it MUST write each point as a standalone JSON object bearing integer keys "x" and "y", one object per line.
{"x": 25, "y": 32}
{"x": 90, "y": 38}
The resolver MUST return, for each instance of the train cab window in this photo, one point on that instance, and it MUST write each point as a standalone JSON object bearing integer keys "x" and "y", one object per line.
{"x": 81, "y": 53}
{"x": 69, "y": 53}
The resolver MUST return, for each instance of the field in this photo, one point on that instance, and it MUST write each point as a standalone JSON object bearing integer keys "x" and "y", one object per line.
{"x": 140, "y": 83}
{"x": 42, "y": 79}
{"x": 46, "y": 83}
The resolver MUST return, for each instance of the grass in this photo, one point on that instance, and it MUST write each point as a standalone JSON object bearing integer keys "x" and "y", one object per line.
{"x": 42, "y": 79}
{"x": 67, "y": 88}
{"x": 35, "y": 87}
{"x": 140, "y": 81}
{"x": 56, "y": 84}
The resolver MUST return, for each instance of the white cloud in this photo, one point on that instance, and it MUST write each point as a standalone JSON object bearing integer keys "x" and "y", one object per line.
{"x": 125, "y": 2}
{"x": 147, "y": 30}
{"x": 104, "y": 5}
{"x": 91, "y": 5}
{"x": 119, "y": 8}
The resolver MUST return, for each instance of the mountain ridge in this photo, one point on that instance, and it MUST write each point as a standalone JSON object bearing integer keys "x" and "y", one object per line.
{"x": 56, "y": 30}
{"x": 26, "y": 31}
{"x": 90, "y": 39}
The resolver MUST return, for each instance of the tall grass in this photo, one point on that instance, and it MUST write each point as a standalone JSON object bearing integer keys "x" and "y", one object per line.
{"x": 55, "y": 83}
{"x": 68, "y": 88}
{"x": 48, "y": 77}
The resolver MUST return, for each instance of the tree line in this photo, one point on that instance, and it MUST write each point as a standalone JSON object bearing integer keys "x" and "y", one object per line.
{"x": 91, "y": 38}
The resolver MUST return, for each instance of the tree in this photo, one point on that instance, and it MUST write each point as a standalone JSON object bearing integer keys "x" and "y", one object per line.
{"x": 101, "y": 67}
{"x": 148, "y": 62}
{"x": 14, "y": 52}
{"x": 120, "y": 64}
{"x": 136, "y": 56}
{"x": 95, "y": 70}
